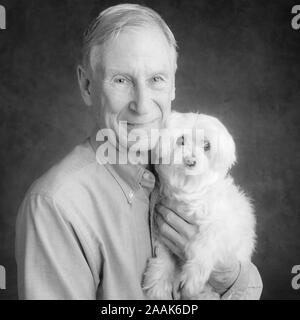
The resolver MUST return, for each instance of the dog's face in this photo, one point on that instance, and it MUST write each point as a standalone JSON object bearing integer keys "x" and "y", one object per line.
{"x": 200, "y": 146}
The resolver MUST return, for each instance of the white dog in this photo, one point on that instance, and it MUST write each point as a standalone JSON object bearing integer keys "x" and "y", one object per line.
{"x": 196, "y": 181}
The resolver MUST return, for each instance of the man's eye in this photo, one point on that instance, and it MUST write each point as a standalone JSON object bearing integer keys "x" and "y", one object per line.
{"x": 120, "y": 80}
{"x": 180, "y": 141}
{"x": 157, "y": 79}
{"x": 206, "y": 145}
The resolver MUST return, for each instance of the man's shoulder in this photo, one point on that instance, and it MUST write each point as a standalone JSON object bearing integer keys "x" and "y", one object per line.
{"x": 70, "y": 173}
{"x": 67, "y": 191}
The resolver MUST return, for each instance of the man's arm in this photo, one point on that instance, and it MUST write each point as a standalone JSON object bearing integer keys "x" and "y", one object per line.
{"x": 51, "y": 255}
{"x": 231, "y": 284}
{"x": 247, "y": 286}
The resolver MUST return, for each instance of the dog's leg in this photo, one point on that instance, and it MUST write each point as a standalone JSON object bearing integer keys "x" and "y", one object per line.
{"x": 198, "y": 267}
{"x": 159, "y": 276}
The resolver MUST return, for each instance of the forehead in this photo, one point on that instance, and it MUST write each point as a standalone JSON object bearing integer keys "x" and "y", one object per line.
{"x": 134, "y": 49}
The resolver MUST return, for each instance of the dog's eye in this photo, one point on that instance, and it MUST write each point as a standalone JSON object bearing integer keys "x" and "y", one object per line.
{"x": 180, "y": 141}
{"x": 206, "y": 145}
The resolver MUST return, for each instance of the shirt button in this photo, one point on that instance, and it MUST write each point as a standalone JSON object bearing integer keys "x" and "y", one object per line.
{"x": 146, "y": 175}
{"x": 130, "y": 195}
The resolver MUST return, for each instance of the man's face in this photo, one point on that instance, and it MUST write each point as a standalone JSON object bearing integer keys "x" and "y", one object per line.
{"x": 133, "y": 80}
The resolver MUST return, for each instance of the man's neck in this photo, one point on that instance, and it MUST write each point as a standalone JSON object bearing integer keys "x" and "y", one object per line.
{"x": 95, "y": 144}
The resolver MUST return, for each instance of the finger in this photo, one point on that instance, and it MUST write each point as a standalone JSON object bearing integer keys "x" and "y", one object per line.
{"x": 187, "y": 217}
{"x": 172, "y": 247}
{"x": 168, "y": 232}
{"x": 176, "y": 222}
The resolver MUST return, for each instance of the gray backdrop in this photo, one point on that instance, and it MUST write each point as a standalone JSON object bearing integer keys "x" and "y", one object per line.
{"x": 239, "y": 61}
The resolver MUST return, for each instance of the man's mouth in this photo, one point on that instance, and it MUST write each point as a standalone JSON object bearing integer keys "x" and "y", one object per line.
{"x": 141, "y": 124}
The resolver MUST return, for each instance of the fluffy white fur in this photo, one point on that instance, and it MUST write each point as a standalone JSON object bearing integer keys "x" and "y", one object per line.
{"x": 200, "y": 186}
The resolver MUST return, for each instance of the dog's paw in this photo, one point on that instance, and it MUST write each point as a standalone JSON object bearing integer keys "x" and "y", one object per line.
{"x": 159, "y": 276}
{"x": 193, "y": 280}
{"x": 158, "y": 285}
{"x": 191, "y": 288}
{"x": 158, "y": 293}
{"x": 161, "y": 290}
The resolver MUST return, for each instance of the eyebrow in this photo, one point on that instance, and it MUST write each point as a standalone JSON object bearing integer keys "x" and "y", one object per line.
{"x": 115, "y": 71}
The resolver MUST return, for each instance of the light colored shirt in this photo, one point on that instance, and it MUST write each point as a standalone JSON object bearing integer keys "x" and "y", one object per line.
{"x": 84, "y": 231}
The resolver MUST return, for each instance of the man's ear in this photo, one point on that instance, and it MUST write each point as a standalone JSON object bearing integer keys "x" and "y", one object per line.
{"x": 84, "y": 84}
{"x": 173, "y": 90}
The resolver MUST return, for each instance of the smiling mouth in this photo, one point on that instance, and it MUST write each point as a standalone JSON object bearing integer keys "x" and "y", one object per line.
{"x": 143, "y": 124}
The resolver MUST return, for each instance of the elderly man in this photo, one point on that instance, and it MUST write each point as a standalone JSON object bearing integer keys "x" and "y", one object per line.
{"x": 84, "y": 228}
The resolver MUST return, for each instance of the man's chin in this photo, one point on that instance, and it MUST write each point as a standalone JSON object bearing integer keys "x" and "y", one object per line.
{"x": 143, "y": 145}
{"x": 139, "y": 138}
{"x": 152, "y": 125}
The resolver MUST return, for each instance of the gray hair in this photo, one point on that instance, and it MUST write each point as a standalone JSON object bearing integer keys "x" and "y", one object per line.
{"x": 113, "y": 20}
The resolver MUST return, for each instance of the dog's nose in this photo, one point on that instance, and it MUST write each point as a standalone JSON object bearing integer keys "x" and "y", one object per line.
{"x": 190, "y": 161}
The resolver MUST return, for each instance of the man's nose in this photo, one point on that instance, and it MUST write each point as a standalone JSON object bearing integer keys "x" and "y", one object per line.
{"x": 141, "y": 102}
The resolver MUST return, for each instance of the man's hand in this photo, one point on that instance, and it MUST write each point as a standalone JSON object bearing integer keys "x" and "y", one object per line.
{"x": 177, "y": 229}
{"x": 224, "y": 274}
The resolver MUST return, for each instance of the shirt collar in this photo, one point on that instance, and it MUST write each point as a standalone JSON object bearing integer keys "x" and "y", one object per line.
{"x": 130, "y": 177}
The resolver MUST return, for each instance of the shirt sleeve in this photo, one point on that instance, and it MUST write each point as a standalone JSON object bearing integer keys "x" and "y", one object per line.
{"x": 248, "y": 285}
{"x": 50, "y": 253}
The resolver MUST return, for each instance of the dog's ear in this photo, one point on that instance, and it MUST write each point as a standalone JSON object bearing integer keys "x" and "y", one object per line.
{"x": 225, "y": 152}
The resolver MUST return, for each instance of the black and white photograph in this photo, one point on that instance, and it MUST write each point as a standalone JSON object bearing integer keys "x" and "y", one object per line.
{"x": 149, "y": 150}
